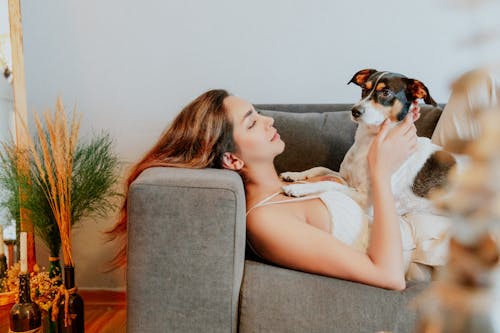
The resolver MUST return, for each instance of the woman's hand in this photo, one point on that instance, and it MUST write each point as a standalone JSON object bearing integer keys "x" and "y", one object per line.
{"x": 391, "y": 147}
{"x": 415, "y": 111}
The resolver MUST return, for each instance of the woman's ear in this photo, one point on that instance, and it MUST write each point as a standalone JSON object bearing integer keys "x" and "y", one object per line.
{"x": 232, "y": 162}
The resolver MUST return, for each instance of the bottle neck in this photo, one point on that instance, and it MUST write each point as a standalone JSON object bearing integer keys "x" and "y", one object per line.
{"x": 3, "y": 265}
{"x": 24, "y": 288}
{"x": 69, "y": 277}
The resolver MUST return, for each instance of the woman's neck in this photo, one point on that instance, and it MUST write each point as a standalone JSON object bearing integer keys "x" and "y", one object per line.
{"x": 261, "y": 180}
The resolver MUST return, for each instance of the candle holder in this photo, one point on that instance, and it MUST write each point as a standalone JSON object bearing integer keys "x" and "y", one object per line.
{"x": 10, "y": 251}
{"x": 3, "y": 259}
{"x": 3, "y": 268}
{"x": 8, "y": 297}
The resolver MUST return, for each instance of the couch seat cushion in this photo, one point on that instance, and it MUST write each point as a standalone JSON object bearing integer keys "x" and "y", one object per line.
{"x": 275, "y": 299}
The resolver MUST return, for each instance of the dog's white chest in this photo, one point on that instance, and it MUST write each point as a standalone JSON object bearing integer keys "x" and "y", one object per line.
{"x": 354, "y": 169}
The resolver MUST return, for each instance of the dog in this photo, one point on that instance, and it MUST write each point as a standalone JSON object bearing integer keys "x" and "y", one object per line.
{"x": 385, "y": 95}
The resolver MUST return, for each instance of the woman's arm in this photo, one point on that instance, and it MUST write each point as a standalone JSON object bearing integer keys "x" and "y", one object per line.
{"x": 288, "y": 241}
{"x": 388, "y": 151}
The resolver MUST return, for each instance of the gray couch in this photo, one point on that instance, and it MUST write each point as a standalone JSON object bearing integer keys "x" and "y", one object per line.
{"x": 189, "y": 269}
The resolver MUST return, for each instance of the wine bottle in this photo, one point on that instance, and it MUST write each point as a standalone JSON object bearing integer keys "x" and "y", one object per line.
{"x": 3, "y": 268}
{"x": 3, "y": 260}
{"x": 75, "y": 306}
{"x": 55, "y": 270}
{"x": 25, "y": 316}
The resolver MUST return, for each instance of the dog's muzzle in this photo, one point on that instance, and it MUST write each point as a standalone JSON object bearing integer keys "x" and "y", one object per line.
{"x": 356, "y": 112}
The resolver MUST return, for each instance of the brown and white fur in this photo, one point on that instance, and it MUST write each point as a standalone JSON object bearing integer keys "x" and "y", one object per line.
{"x": 385, "y": 95}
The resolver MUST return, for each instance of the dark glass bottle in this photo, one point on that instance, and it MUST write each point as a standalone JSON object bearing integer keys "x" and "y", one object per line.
{"x": 75, "y": 306}
{"x": 25, "y": 316}
{"x": 3, "y": 267}
{"x": 55, "y": 270}
{"x": 56, "y": 276}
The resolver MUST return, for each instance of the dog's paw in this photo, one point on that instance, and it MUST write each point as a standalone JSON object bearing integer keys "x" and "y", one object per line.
{"x": 296, "y": 190}
{"x": 293, "y": 176}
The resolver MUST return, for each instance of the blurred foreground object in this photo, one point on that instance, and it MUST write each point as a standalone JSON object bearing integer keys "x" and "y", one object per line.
{"x": 466, "y": 297}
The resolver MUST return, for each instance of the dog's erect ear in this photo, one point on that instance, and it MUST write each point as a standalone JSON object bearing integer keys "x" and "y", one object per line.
{"x": 417, "y": 90}
{"x": 360, "y": 77}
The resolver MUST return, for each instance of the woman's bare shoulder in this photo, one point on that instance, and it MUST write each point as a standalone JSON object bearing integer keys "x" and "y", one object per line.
{"x": 270, "y": 213}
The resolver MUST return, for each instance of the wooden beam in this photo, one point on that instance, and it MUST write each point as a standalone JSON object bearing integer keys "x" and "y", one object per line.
{"x": 20, "y": 111}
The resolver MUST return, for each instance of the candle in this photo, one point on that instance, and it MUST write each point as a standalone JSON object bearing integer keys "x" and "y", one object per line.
{"x": 1, "y": 241}
{"x": 24, "y": 250}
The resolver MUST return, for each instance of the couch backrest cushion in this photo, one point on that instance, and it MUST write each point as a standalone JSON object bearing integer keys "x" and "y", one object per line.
{"x": 320, "y": 135}
{"x": 312, "y": 139}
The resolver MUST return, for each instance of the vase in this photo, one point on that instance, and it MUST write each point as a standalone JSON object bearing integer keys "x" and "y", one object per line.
{"x": 25, "y": 315}
{"x": 3, "y": 268}
{"x": 48, "y": 325}
{"x": 75, "y": 306}
{"x": 55, "y": 274}
{"x": 55, "y": 270}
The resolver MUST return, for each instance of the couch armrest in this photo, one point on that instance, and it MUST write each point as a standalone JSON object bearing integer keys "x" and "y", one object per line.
{"x": 186, "y": 248}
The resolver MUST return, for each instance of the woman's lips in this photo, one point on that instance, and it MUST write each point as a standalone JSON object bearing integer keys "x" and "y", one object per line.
{"x": 275, "y": 136}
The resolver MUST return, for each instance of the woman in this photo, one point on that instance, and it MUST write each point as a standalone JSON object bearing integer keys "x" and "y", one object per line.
{"x": 223, "y": 131}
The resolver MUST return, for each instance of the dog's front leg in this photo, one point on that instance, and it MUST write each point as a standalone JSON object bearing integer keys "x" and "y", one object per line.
{"x": 308, "y": 174}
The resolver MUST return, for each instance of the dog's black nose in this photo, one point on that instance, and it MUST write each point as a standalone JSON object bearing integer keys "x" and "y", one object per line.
{"x": 356, "y": 112}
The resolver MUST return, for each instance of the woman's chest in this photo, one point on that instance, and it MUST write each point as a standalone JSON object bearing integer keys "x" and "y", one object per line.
{"x": 313, "y": 212}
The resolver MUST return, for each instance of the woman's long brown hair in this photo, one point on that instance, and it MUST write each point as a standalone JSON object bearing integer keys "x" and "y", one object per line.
{"x": 197, "y": 138}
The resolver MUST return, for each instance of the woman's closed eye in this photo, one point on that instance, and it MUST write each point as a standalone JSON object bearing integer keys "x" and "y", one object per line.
{"x": 254, "y": 122}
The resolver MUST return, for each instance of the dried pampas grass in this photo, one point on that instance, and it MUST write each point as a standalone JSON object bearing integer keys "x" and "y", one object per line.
{"x": 54, "y": 162}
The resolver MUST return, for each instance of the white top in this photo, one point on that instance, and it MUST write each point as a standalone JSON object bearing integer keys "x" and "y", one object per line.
{"x": 424, "y": 236}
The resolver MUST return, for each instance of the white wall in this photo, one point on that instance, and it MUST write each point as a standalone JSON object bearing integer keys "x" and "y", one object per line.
{"x": 131, "y": 65}
{"x": 5, "y": 87}
{"x": 5, "y": 92}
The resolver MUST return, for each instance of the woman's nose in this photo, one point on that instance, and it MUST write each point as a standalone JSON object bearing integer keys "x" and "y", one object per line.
{"x": 271, "y": 121}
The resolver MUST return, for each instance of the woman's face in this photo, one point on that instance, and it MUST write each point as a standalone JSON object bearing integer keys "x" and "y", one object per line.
{"x": 254, "y": 135}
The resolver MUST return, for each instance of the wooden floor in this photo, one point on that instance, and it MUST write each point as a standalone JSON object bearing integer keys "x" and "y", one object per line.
{"x": 105, "y": 312}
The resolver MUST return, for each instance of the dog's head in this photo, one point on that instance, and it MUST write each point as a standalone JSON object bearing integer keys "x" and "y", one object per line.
{"x": 386, "y": 95}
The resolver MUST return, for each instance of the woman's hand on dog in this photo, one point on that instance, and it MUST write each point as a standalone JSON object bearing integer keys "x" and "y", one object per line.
{"x": 391, "y": 147}
{"x": 415, "y": 111}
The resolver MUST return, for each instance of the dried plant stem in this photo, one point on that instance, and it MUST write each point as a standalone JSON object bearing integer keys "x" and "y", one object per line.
{"x": 54, "y": 162}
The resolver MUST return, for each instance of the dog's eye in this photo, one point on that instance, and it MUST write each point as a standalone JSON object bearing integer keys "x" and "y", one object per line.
{"x": 386, "y": 93}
